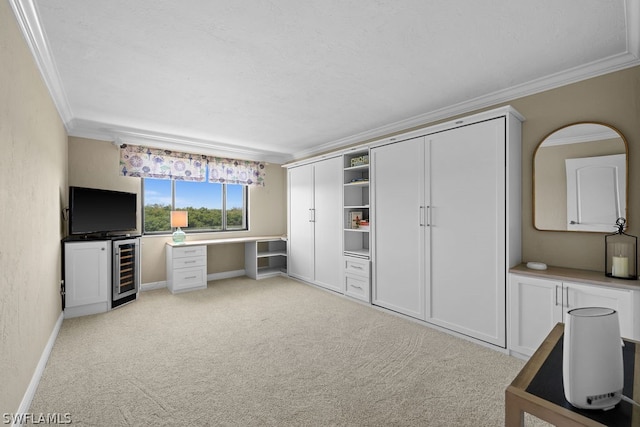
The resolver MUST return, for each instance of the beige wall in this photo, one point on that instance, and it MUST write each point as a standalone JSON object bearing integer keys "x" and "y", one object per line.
{"x": 33, "y": 186}
{"x": 96, "y": 164}
{"x": 613, "y": 99}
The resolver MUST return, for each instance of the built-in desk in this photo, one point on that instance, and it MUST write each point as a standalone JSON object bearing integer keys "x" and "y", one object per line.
{"x": 265, "y": 256}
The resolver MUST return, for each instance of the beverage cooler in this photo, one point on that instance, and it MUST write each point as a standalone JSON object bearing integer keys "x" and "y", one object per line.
{"x": 126, "y": 271}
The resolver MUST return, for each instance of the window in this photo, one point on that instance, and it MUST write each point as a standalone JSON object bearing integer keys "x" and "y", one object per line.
{"x": 211, "y": 206}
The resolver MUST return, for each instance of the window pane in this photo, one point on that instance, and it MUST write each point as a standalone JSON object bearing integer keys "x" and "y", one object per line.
{"x": 203, "y": 201}
{"x": 235, "y": 207}
{"x": 157, "y": 205}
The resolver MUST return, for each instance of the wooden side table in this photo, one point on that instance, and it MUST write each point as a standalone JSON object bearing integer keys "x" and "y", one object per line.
{"x": 538, "y": 389}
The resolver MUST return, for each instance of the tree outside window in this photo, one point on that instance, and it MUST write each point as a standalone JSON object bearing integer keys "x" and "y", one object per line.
{"x": 211, "y": 206}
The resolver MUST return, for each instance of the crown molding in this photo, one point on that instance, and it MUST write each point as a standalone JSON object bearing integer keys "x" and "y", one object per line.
{"x": 628, "y": 59}
{"x": 26, "y": 14}
{"x": 123, "y": 135}
{"x": 602, "y": 133}
{"x": 574, "y": 75}
{"x": 632, "y": 12}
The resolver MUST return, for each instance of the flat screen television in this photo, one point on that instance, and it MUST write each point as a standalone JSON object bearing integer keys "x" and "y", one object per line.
{"x": 93, "y": 211}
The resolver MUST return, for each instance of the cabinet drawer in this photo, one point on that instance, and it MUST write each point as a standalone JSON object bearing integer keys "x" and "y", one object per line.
{"x": 189, "y": 251}
{"x": 356, "y": 266}
{"x": 357, "y": 287}
{"x": 189, "y": 262}
{"x": 190, "y": 278}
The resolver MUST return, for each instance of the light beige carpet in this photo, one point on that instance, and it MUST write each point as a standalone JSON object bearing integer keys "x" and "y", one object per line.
{"x": 271, "y": 352}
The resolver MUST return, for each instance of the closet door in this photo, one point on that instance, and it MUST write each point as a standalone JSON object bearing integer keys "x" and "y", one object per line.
{"x": 301, "y": 244}
{"x": 399, "y": 224}
{"x": 467, "y": 187}
{"x": 328, "y": 223}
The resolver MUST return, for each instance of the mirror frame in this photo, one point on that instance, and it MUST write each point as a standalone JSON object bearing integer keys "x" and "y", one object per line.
{"x": 533, "y": 172}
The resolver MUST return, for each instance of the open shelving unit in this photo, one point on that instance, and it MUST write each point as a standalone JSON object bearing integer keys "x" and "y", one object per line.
{"x": 356, "y": 235}
{"x": 266, "y": 258}
{"x": 356, "y": 203}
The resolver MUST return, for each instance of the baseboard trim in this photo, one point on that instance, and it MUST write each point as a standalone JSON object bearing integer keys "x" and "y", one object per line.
{"x": 37, "y": 374}
{"x": 153, "y": 285}
{"x": 225, "y": 275}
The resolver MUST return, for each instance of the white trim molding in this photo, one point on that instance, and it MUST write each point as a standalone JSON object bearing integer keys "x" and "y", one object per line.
{"x": 27, "y": 16}
{"x": 37, "y": 374}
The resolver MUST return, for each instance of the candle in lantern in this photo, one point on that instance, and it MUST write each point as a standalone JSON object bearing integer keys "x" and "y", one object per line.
{"x": 620, "y": 267}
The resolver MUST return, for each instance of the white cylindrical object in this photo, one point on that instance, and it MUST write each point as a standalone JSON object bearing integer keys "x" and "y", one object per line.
{"x": 592, "y": 368}
{"x": 620, "y": 267}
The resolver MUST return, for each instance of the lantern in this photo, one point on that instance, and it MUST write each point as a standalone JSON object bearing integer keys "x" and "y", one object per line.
{"x": 621, "y": 259}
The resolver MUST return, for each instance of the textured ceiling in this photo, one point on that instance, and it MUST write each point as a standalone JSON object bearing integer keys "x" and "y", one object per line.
{"x": 278, "y": 80}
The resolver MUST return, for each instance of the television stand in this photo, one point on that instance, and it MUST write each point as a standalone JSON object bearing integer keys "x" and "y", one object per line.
{"x": 94, "y": 270}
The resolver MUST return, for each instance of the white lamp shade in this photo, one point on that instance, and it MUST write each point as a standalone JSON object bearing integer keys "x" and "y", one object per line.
{"x": 179, "y": 218}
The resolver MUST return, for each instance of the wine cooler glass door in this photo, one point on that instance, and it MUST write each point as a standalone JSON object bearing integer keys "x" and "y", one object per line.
{"x": 126, "y": 268}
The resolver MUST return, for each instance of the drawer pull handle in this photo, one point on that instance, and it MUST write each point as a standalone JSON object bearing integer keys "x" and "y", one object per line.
{"x": 357, "y": 287}
{"x": 190, "y": 277}
{"x": 356, "y": 267}
{"x": 189, "y": 262}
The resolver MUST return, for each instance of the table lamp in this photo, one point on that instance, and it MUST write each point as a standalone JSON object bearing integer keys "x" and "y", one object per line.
{"x": 179, "y": 219}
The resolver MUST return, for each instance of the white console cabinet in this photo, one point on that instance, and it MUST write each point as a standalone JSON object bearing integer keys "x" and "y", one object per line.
{"x": 539, "y": 300}
{"x": 87, "y": 279}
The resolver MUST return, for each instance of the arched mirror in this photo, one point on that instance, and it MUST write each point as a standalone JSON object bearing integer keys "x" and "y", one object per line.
{"x": 580, "y": 179}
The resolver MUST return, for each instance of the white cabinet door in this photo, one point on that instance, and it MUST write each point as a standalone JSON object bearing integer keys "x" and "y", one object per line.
{"x": 595, "y": 198}
{"x": 328, "y": 223}
{"x": 315, "y": 223}
{"x": 301, "y": 222}
{"x": 577, "y": 295}
{"x": 535, "y": 306}
{"x": 87, "y": 273}
{"x": 398, "y": 220}
{"x": 466, "y": 175}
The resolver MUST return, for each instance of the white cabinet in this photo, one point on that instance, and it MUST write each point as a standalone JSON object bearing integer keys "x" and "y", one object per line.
{"x": 87, "y": 267}
{"x": 315, "y": 223}
{"x": 534, "y": 308}
{"x": 537, "y": 304}
{"x": 356, "y": 278}
{"x": 356, "y": 224}
{"x": 399, "y": 258}
{"x": 446, "y": 220}
{"x": 186, "y": 267}
{"x": 265, "y": 258}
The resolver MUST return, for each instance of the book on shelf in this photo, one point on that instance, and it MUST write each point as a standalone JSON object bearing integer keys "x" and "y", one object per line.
{"x": 354, "y": 218}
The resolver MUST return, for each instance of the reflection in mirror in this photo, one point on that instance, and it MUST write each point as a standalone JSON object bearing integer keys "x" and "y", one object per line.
{"x": 580, "y": 179}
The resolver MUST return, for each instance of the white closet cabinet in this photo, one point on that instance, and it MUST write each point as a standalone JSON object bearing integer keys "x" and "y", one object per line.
{"x": 315, "y": 223}
{"x": 537, "y": 304}
{"x": 398, "y": 220}
{"x": 446, "y": 218}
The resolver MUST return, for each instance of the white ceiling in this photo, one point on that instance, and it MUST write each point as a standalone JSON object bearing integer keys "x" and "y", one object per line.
{"x": 282, "y": 79}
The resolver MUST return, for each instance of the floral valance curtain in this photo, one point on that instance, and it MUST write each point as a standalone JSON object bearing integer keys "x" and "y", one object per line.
{"x": 145, "y": 162}
{"x": 232, "y": 171}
